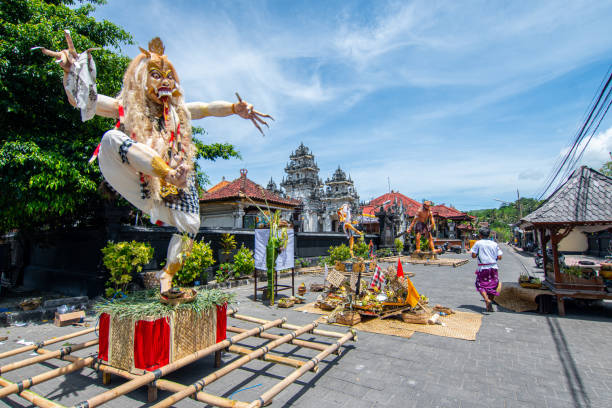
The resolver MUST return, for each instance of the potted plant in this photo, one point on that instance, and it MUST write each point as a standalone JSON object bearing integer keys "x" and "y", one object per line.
{"x": 228, "y": 248}
{"x": 244, "y": 264}
{"x": 123, "y": 259}
{"x": 195, "y": 265}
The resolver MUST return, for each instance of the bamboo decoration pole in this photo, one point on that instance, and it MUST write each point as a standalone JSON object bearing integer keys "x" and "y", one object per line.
{"x": 162, "y": 384}
{"x": 275, "y": 358}
{"x": 272, "y": 392}
{"x": 37, "y": 379}
{"x": 46, "y": 343}
{"x": 167, "y": 369}
{"x": 32, "y": 397}
{"x": 198, "y": 385}
{"x": 47, "y": 356}
{"x": 302, "y": 343}
{"x": 288, "y": 326}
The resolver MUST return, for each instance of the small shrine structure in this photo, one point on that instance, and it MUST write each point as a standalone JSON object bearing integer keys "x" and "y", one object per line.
{"x": 582, "y": 203}
{"x": 230, "y": 204}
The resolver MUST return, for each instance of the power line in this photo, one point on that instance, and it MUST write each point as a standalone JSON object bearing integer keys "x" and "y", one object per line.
{"x": 571, "y": 158}
{"x": 591, "y": 106}
{"x": 560, "y": 159}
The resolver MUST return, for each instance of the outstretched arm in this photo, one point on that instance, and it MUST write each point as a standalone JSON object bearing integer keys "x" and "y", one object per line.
{"x": 105, "y": 105}
{"x": 411, "y": 225}
{"x": 241, "y": 108}
{"x": 201, "y": 110}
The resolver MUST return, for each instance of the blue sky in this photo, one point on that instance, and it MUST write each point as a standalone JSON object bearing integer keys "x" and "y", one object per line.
{"x": 457, "y": 102}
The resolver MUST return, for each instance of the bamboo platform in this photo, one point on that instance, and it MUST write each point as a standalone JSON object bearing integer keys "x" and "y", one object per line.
{"x": 153, "y": 379}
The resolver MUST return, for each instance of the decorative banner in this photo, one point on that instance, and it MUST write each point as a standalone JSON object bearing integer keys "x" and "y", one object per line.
{"x": 285, "y": 259}
{"x": 367, "y": 219}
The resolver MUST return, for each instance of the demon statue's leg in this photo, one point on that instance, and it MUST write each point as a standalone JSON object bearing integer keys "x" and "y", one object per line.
{"x": 121, "y": 162}
{"x": 351, "y": 231}
{"x": 417, "y": 240}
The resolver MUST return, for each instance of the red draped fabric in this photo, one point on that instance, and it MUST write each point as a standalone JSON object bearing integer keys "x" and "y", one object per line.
{"x": 103, "y": 329}
{"x": 221, "y": 322}
{"x": 151, "y": 344}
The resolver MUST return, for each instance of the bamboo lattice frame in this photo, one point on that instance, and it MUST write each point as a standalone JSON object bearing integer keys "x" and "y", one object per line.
{"x": 153, "y": 379}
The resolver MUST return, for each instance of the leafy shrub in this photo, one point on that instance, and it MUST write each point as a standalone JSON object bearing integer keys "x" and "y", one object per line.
{"x": 226, "y": 271}
{"x": 424, "y": 244}
{"x": 228, "y": 243}
{"x": 361, "y": 249}
{"x": 399, "y": 245}
{"x": 383, "y": 252}
{"x": 337, "y": 253}
{"x": 244, "y": 264}
{"x": 123, "y": 259}
{"x": 302, "y": 263}
{"x": 195, "y": 261}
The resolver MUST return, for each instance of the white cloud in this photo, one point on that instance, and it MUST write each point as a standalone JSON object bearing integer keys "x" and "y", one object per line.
{"x": 597, "y": 150}
{"x": 322, "y": 71}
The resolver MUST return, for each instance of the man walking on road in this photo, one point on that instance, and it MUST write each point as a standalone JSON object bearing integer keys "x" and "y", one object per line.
{"x": 487, "y": 280}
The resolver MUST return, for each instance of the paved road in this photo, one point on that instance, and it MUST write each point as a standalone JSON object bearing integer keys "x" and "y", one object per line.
{"x": 518, "y": 359}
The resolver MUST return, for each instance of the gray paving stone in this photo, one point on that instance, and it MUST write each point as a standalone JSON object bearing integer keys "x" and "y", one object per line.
{"x": 517, "y": 360}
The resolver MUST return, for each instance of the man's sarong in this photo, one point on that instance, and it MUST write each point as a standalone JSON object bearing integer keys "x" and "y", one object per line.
{"x": 487, "y": 281}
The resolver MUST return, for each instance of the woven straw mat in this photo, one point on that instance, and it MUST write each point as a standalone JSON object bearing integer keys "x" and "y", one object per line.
{"x": 519, "y": 299}
{"x": 461, "y": 325}
{"x": 335, "y": 278}
{"x": 121, "y": 343}
{"x": 192, "y": 331}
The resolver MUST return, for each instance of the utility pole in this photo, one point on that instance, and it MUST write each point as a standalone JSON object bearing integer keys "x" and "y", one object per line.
{"x": 518, "y": 203}
{"x": 389, "y": 183}
{"x": 520, "y": 208}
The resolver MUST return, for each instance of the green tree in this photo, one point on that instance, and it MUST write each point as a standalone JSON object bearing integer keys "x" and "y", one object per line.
{"x": 607, "y": 168}
{"x": 46, "y": 180}
{"x": 501, "y": 218}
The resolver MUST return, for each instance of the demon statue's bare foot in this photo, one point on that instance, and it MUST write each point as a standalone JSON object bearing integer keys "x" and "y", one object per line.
{"x": 178, "y": 176}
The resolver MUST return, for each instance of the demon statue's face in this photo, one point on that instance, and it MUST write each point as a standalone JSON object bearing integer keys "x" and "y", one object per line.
{"x": 162, "y": 81}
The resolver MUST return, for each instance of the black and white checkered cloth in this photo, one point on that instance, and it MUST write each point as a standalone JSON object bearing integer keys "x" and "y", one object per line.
{"x": 378, "y": 280}
{"x": 123, "y": 149}
{"x": 187, "y": 200}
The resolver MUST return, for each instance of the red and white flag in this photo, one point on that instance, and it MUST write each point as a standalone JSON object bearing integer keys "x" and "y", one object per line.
{"x": 378, "y": 279}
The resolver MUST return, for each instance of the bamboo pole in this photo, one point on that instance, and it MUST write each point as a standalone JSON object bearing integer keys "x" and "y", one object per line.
{"x": 167, "y": 369}
{"x": 162, "y": 384}
{"x": 272, "y": 392}
{"x": 47, "y": 356}
{"x": 302, "y": 343}
{"x": 288, "y": 326}
{"x": 198, "y": 385}
{"x": 45, "y": 343}
{"x": 32, "y": 397}
{"x": 37, "y": 379}
{"x": 275, "y": 358}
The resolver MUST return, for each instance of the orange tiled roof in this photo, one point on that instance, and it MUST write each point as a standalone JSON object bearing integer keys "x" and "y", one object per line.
{"x": 409, "y": 204}
{"x": 446, "y": 212}
{"x": 241, "y": 187}
{"x": 218, "y": 186}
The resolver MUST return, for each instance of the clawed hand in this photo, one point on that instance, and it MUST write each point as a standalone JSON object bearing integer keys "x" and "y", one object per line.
{"x": 67, "y": 57}
{"x": 246, "y": 111}
{"x": 178, "y": 176}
